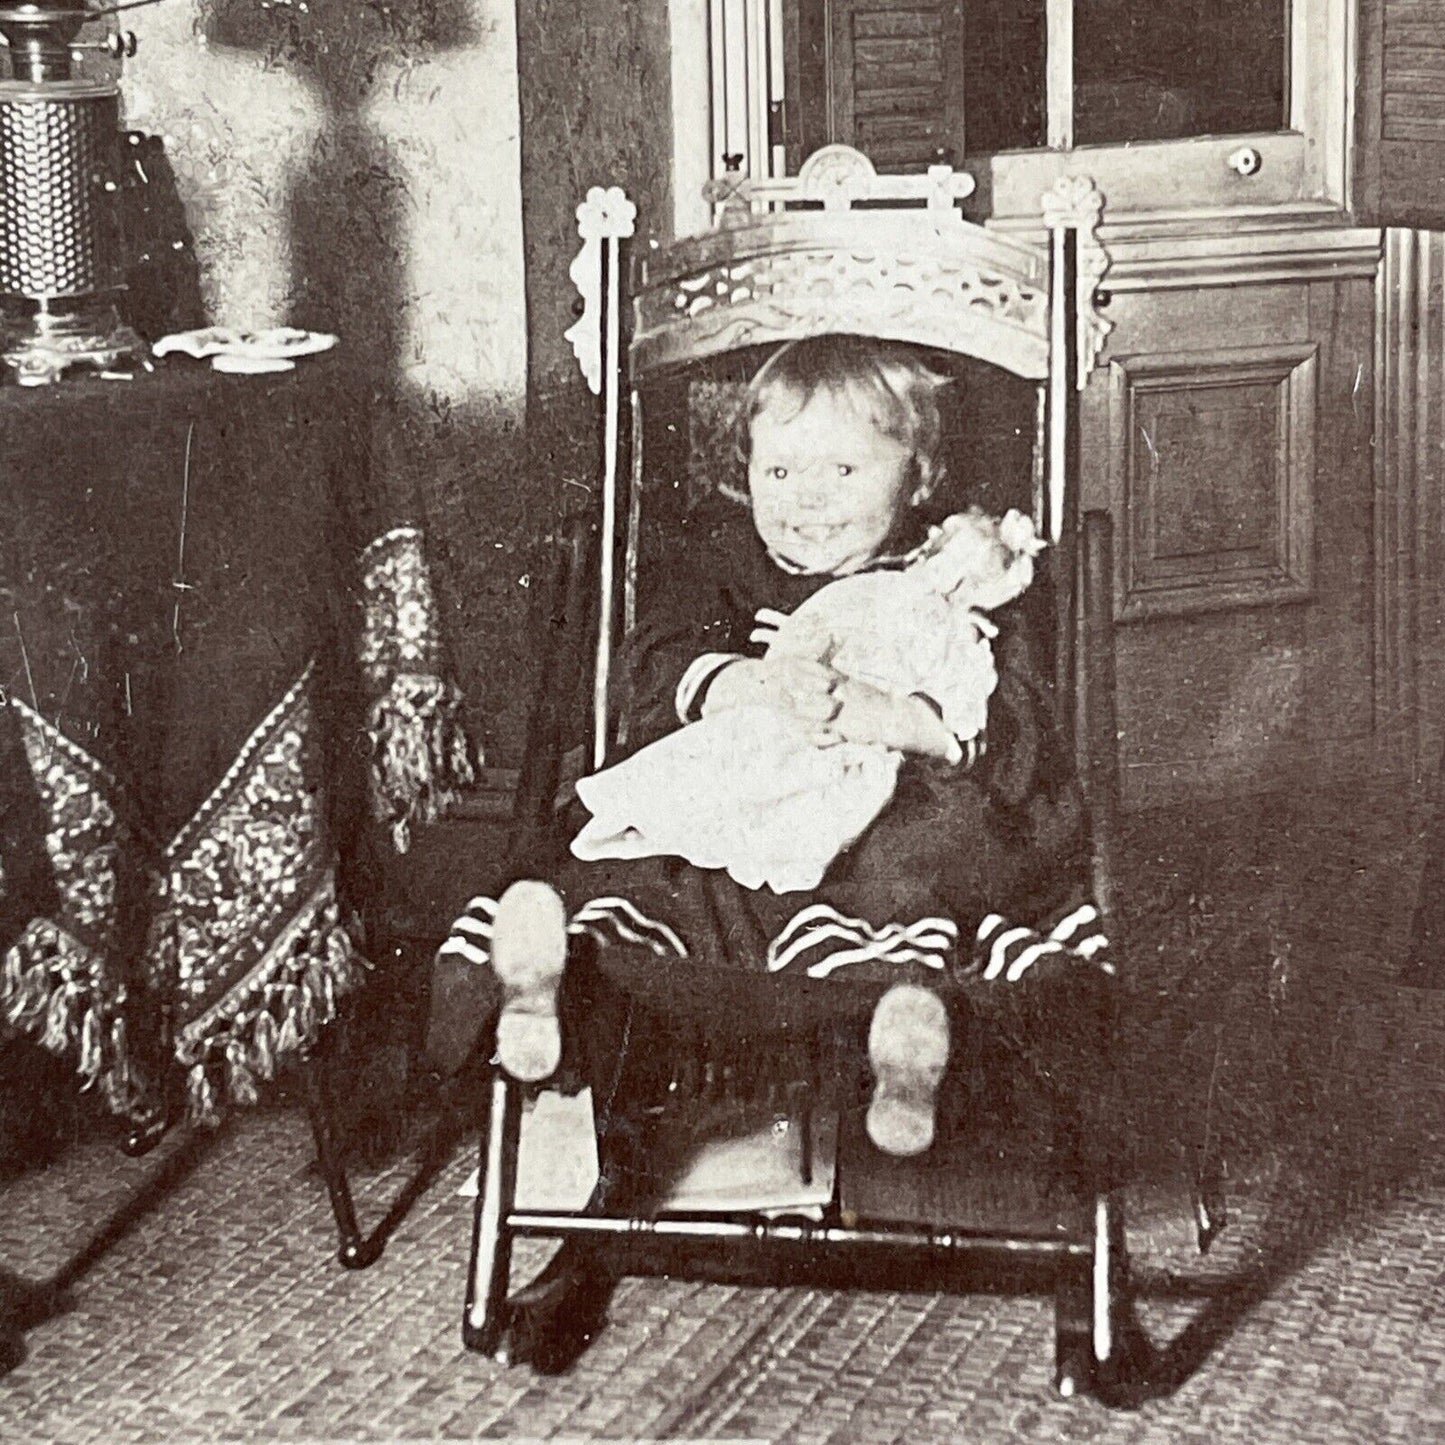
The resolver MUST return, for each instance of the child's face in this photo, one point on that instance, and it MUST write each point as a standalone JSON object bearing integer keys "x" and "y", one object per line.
{"x": 827, "y": 488}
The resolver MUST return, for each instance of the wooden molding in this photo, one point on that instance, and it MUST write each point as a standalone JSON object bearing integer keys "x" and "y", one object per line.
{"x": 925, "y": 276}
{"x": 1197, "y": 537}
{"x": 837, "y": 178}
{"x": 1241, "y": 257}
{"x": 1189, "y": 249}
{"x": 1410, "y": 492}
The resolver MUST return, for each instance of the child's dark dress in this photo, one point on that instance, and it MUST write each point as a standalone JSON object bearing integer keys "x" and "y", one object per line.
{"x": 996, "y": 845}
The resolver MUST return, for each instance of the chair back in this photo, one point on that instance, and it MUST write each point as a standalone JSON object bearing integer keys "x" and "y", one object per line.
{"x": 841, "y": 249}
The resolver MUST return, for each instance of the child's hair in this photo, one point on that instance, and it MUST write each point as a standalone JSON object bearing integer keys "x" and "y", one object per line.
{"x": 885, "y": 381}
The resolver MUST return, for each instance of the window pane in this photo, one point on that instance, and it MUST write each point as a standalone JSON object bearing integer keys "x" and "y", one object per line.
{"x": 909, "y": 81}
{"x": 1004, "y": 60}
{"x": 1189, "y": 67}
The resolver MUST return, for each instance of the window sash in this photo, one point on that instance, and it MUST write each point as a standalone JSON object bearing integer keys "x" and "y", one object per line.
{"x": 1304, "y": 167}
{"x": 747, "y": 82}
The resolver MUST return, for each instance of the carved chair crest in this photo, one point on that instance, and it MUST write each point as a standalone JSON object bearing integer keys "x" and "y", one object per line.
{"x": 841, "y": 248}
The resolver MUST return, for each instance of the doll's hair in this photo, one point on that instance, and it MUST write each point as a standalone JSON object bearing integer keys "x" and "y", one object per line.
{"x": 886, "y": 382}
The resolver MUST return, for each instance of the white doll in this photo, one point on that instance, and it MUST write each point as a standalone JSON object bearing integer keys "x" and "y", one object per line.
{"x": 750, "y": 789}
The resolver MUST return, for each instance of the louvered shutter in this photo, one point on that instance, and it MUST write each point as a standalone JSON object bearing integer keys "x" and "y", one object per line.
{"x": 1400, "y": 156}
{"x": 895, "y": 83}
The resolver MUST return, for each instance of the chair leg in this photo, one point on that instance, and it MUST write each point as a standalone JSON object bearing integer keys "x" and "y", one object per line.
{"x": 146, "y": 1128}
{"x": 551, "y": 1321}
{"x": 484, "y": 1317}
{"x": 554, "y": 1319}
{"x": 149, "y": 1123}
{"x": 1073, "y": 1351}
{"x": 1209, "y": 1201}
{"x": 1121, "y": 1357}
{"x": 1099, "y": 1348}
{"x": 1108, "y": 1285}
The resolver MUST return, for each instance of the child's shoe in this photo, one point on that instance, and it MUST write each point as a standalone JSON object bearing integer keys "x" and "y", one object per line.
{"x": 529, "y": 956}
{"x": 908, "y": 1050}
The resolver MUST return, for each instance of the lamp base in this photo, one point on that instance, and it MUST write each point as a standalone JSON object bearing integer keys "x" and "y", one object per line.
{"x": 42, "y": 346}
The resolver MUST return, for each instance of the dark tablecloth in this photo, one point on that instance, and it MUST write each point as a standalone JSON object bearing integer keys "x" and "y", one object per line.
{"x": 220, "y": 671}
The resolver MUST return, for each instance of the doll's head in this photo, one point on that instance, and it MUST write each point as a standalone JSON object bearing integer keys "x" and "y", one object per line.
{"x": 981, "y": 560}
{"x": 841, "y": 437}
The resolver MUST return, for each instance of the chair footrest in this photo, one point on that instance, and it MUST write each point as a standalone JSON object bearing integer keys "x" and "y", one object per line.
{"x": 682, "y": 1227}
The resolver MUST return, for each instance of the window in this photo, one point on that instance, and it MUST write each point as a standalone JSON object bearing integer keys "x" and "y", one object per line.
{"x": 1193, "y": 104}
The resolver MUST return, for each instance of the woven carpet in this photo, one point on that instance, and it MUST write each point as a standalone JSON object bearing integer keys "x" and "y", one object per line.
{"x": 212, "y": 1309}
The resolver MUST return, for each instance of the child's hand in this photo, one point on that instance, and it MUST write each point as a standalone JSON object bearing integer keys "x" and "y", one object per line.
{"x": 867, "y": 714}
{"x": 804, "y": 689}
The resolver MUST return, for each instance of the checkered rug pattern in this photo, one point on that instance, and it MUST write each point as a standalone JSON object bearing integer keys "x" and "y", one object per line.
{"x": 212, "y": 1308}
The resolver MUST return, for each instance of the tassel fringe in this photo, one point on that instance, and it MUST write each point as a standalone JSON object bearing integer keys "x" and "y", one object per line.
{"x": 122, "y": 1089}
{"x": 421, "y": 758}
{"x": 54, "y": 989}
{"x": 279, "y": 1016}
{"x": 51, "y": 988}
{"x": 201, "y": 1098}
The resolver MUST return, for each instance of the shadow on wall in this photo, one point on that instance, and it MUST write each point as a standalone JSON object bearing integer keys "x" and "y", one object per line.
{"x": 384, "y": 234}
{"x": 346, "y": 207}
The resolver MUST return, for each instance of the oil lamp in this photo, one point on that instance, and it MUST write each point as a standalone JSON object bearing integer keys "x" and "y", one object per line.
{"x": 62, "y": 259}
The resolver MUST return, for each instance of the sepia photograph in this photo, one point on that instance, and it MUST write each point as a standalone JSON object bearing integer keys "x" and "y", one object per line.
{"x": 722, "y": 720}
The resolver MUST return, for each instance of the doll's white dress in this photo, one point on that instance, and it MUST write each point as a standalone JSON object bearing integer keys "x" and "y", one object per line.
{"x": 748, "y": 790}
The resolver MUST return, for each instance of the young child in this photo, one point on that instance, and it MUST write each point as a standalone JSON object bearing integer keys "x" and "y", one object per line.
{"x": 970, "y": 880}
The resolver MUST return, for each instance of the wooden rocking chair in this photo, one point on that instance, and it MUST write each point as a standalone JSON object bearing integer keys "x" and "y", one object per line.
{"x": 839, "y": 249}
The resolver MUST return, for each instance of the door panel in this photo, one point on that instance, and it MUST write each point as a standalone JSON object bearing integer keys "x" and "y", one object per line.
{"x": 1213, "y": 460}
{"x": 1230, "y": 436}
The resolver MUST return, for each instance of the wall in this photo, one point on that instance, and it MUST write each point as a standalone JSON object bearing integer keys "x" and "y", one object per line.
{"x": 595, "y": 89}
{"x": 407, "y": 174}
{"x": 357, "y": 167}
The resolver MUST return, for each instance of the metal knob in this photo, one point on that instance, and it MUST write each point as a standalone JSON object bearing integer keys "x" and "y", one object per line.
{"x": 1245, "y": 161}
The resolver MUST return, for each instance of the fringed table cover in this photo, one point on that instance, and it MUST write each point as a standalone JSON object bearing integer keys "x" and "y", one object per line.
{"x": 219, "y": 669}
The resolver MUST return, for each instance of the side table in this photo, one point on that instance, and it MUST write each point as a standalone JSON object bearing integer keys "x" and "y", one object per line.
{"x": 219, "y": 667}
